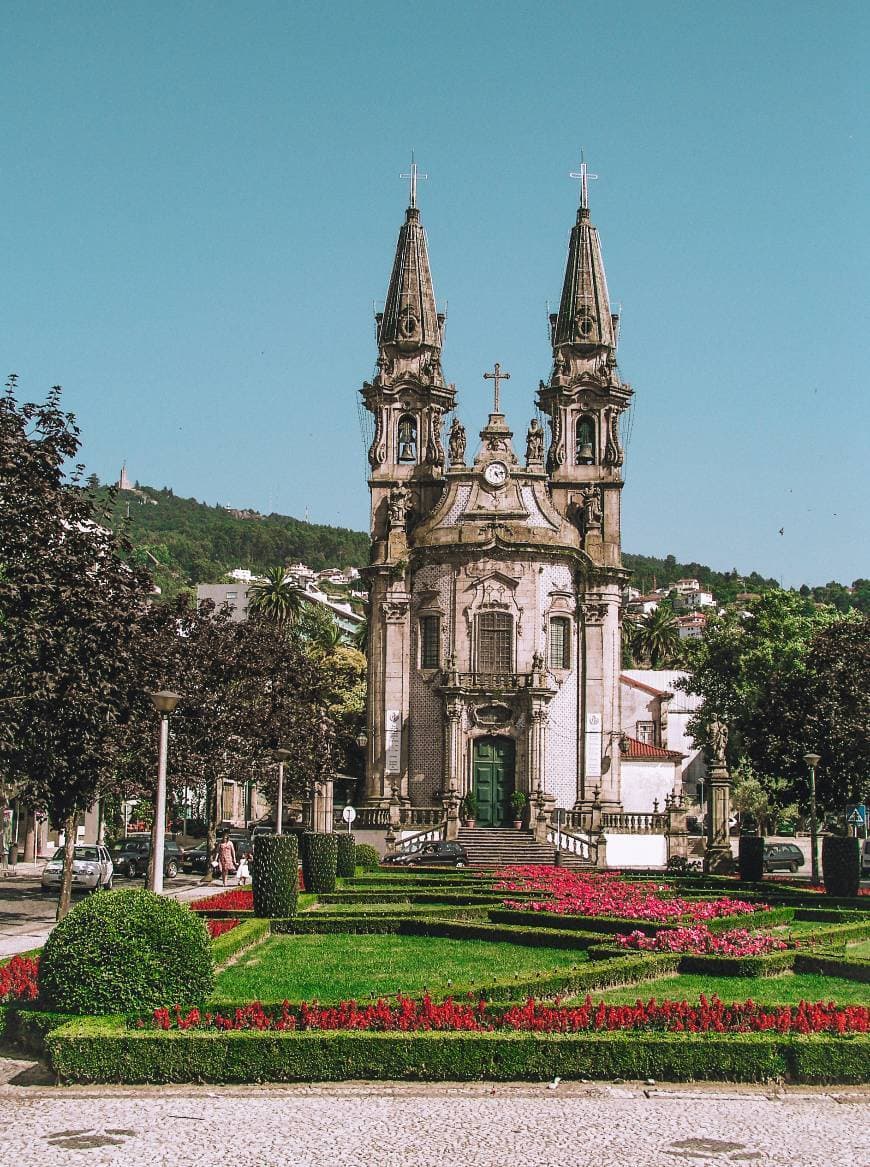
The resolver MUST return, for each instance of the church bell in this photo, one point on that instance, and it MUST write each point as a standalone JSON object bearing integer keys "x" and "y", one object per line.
{"x": 585, "y": 453}
{"x": 406, "y": 452}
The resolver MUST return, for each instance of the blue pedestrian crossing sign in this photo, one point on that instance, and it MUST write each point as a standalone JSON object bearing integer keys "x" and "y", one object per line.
{"x": 857, "y": 816}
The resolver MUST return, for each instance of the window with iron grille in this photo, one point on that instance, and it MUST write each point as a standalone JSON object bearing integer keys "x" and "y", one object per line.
{"x": 560, "y": 642}
{"x": 645, "y": 731}
{"x": 429, "y": 654}
{"x": 494, "y": 647}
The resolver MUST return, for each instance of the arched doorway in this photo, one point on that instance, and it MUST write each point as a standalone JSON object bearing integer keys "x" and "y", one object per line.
{"x": 493, "y": 780}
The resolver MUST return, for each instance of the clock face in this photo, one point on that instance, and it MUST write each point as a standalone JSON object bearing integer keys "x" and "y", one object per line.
{"x": 496, "y": 474}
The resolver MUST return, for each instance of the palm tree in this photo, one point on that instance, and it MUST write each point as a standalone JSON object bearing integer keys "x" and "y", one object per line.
{"x": 658, "y": 638}
{"x": 361, "y": 637}
{"x": 275, "y": 598}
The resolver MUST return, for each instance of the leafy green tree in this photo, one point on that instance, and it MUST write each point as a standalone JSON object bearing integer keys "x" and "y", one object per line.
{"x": 71, "y": 599}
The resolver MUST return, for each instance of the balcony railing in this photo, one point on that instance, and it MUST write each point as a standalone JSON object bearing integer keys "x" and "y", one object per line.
{"x": 635, "y": 824}
{"x": 494, "y": 682}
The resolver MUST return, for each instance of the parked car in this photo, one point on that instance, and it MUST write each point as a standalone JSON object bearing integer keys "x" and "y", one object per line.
{"x": 132, "y": 855}
{"x": 195, "y": 859}
{"x": 438, "y": 854}
{"x": 92, "y": 869}
{"x": 783, "y": 857}
{"x": 865, "y": 858}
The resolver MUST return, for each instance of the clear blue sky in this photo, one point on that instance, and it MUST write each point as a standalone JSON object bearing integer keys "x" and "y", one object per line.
{"x": 200, "y": 202}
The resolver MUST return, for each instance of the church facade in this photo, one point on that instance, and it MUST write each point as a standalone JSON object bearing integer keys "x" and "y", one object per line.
{"x": 495, "y": 578}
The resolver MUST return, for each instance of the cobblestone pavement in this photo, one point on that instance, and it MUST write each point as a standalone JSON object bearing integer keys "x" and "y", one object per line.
{"x": 418, "y": 1125}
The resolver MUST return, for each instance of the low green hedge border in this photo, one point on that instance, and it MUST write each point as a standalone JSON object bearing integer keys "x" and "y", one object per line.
{"x": 104, "y": 1050}
{"x": 244, "y": 935}
{"x": 833, "y": 966}
{"x": 27, "y": 1028}
{"x": 611, "y": 926}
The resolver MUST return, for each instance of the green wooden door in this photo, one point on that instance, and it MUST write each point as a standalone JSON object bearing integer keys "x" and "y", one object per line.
{"x": 493, "y": 780}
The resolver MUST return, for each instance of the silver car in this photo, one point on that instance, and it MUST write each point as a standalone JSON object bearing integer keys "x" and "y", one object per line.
{"x": 92, "y": 869}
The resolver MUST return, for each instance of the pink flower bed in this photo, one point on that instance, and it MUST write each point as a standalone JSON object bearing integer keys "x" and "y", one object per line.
{"x": 408, "y": 1016}
{"x": 701, "y": 941}
{"x": 576, "y": 893}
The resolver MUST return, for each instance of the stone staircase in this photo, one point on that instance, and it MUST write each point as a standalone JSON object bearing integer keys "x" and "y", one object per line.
{"x": 503, "y": 847}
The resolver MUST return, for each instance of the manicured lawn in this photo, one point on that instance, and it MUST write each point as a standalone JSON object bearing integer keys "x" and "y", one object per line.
{"x": 860, "y": 951}
{"x": 788, "y": 989}
{"x": 332, "y": 968}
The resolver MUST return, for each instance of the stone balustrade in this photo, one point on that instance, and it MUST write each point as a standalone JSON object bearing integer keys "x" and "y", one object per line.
{"x": 635, "y": 823}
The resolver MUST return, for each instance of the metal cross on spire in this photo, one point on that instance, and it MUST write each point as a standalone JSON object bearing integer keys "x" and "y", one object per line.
{"x": 412, "y": 177}
{"x": 496, "y": 375}
{"x": 583, "y": 174}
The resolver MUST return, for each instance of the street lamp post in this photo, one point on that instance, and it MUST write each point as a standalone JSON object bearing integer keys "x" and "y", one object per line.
{"x": 281, "y": 755}
{"x": 812, "y": 760}
{"x": 165, "y": 703}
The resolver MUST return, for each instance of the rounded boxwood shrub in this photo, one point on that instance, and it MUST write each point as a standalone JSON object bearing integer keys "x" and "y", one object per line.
{"x": 841, "y": 865}
{"x": 125, "y": 951}
{"x": 319, "y": 860}
{"x": 275, "y": 875}
{"x": 366, "y": 857}
{"x": 345, "y": 863}
{"x": 750, "y": 858}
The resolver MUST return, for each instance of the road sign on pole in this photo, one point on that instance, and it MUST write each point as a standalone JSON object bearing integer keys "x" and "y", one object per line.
{"x": 348, "y": 814}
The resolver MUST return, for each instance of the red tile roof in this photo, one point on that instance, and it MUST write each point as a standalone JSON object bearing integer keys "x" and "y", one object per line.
{"x": 643, "y": 751}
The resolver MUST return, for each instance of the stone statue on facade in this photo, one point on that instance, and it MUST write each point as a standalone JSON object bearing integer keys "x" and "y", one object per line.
{"x": 434, "y": 449}
{"x": 400, "y": 499}
{"x": 456, "y": 443}
{"x": 534, "y": 443}
{"x": 592, "y": 513}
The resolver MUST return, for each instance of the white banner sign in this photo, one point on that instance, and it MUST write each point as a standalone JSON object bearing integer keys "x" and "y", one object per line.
{"x": 393, "y": 742}
{"x": 593, "y": 745}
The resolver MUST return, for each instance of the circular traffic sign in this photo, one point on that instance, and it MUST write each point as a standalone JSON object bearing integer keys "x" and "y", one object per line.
{"x": 348, "y": 814}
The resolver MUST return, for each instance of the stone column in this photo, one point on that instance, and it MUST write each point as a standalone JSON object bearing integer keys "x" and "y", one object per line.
{"x": 323, "y": 805}
{"x": 718, "y": 859}
{"x": 452, "y": 775}
{"x": 388, "y": 700}
{"x": 677, "y": 829}
{"x": 537, "y": 743}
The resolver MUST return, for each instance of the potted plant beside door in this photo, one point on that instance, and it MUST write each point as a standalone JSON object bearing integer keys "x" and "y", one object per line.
{"x": 469, "y": 808}
{"x": 518, "y": 806}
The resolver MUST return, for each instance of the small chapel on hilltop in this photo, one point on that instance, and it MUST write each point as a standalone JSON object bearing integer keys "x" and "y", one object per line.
{"x": 496, "y": 577}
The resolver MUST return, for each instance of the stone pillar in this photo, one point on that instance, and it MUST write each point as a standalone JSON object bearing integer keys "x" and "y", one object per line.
{"x": 718, "y": 859}
{"x": 451, "y": 809}
{"x": 599, "y": 763}
{"x": 537, "y": 767}
{"x": 540, "y": 819}
{"x": 677, "y": 829}
{"x": 453, "y": 745}
{"x": 389, "y": 655}
{"x": 30, "y": 837}
{"x": 323, "y": 806}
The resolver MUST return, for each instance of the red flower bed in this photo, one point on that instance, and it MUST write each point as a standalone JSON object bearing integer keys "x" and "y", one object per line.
{"x": 18, "y": 979}
{"x": 581, "y": 894}
{"x": 408, "y": 1016}
{"x": 701, "y": 941}
{"x": 238, "y": 899}
{"x": 218, "y": 927}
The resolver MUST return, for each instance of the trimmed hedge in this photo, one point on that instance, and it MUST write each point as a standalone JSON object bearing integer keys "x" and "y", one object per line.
{"x": 26, "y": 1029}
{"x": 832, "y": 966}
{"x": 841, "y": 865}
{"x": 366, "y": 857}
{"x": 345, "y": 862}
{"x": 770, "y": 964}
{"x": 125, "y": 949}
{"x": 319, "y": 859}
{"x": 244, "y": 935}
{"x": 104, "y": 1050}
{"x": 750, "y": 858}
{"x": 275, "y": 875}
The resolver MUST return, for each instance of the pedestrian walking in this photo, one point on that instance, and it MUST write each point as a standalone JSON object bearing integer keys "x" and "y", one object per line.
{"x": 226, "y": 858}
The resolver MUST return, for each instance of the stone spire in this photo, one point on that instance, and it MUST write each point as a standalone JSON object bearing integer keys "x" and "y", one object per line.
{"x": 584, "y": 321}
{"x": 410, "y": 321}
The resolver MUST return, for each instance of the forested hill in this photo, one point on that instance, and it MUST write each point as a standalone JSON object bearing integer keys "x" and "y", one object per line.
{"x": 198, "y": 543}
{"x": 192, "y": 542}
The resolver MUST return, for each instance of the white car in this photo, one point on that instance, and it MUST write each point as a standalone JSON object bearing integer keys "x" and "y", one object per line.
{"x": 92, "y": 869}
